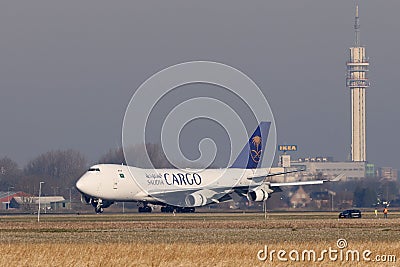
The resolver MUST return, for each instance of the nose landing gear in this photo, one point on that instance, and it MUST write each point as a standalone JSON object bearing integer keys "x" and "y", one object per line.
{"x": 99, "y": 205}
{"x": 98, "y": 208}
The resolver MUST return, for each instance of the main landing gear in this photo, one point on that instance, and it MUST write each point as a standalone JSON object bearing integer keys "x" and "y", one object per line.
{"x": 167, "y": 209}
{"x": 170, "y": 209}
{"x": 145, "y": 208}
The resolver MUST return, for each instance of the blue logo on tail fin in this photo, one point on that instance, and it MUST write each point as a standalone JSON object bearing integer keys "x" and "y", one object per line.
{"x": 252, "y": 152}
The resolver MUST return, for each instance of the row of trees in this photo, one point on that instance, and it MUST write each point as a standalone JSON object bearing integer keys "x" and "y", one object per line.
{"x": 369, "y": 192}
{"x": 60, "y": 169}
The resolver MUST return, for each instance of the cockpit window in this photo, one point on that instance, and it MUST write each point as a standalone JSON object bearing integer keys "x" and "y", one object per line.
{"x": 94, "y": 170}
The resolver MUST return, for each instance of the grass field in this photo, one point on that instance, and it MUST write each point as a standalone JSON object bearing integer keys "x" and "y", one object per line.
{"x": 198, "y": 239}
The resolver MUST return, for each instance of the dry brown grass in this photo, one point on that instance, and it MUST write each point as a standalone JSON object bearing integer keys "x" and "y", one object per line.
{"x": 184, "y": 240}
{"x": 178, "y": 254}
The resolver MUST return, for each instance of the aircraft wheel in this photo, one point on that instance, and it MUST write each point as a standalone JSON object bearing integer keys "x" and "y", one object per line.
{"x": 170, "y": 209}
{"x": 99, "y": 210}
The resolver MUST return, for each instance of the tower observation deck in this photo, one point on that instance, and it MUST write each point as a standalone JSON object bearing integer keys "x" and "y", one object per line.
{"x": 357, "y": 82}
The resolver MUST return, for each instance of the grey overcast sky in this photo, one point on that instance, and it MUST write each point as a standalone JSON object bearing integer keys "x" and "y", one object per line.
{"x": 69, "y": 68}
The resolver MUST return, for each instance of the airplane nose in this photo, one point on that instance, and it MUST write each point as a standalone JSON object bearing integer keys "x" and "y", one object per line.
{"x": 82, "y": 184}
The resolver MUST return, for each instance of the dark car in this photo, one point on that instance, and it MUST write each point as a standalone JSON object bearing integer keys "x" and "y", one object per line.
{"x": 350, "y": 214}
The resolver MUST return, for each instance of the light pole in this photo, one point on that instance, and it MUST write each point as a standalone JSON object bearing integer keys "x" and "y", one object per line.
{"x": 40, "y": 192}
{"x": 70, "y": 197}
{"x": 8, "y": 197}
{"x": 54, "y": 194}
{"x": 332, "y": 193}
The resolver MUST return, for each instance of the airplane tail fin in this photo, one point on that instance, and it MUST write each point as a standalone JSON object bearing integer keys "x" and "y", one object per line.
{"x": 252, "y": 152}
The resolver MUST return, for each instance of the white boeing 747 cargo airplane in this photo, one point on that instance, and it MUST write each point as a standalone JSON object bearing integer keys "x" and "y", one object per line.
{"x": 183, "y": 190}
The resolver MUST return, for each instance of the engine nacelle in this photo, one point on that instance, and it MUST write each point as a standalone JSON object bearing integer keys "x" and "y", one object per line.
{"x": 199, "y": 198}
{"x": 257, "y": 195}
{"x": 260, "y": 193}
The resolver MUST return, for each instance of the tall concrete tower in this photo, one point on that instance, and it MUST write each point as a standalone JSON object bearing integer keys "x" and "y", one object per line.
{"x": 357, "y": 82}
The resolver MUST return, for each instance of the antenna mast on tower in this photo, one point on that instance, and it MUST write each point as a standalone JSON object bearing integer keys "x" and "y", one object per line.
{"x": 357, "y": 28}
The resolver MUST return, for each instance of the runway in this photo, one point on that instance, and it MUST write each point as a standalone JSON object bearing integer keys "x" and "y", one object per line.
{"x": 187, "y": 239}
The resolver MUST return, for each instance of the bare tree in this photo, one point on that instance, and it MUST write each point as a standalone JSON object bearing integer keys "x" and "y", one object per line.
{"x": 9, "y": 173}
{"x": 58, "y": 169}
{"x": 113, "y": 156}
{"x": 137, "y": 156}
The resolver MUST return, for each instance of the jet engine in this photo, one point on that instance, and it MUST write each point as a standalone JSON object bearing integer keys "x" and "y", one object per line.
{"x": 260, "y": 193}
{"x": 199, "y": 198}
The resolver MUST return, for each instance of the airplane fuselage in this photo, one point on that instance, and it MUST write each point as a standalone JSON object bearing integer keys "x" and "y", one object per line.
{"x": 125, "y": 183}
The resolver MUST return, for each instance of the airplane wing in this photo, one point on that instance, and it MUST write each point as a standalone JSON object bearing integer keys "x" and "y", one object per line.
{"x": 336, "y": 179}
{"x": 205, "y": 196}
{"x": 298, "y": 183}
{"x": 263, "y": 189}
{"x": 260, "y": 178}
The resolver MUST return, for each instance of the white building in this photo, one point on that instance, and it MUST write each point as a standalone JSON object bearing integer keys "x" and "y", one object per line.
{"x": 324, "y": 168}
